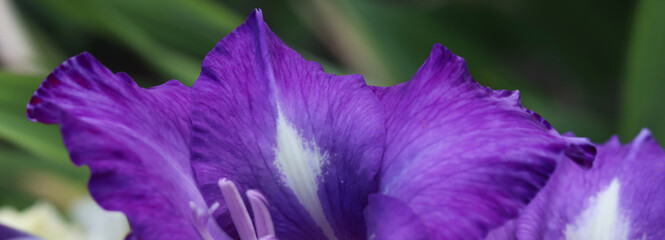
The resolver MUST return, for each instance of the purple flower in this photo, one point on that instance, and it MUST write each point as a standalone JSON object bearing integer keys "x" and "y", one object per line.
{"x": 319, "y": 156}
{"x": 13, "y": 234}
{"x": 620, "y": 198}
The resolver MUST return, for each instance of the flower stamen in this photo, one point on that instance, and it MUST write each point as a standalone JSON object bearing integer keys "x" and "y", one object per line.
{"x": 237, "y": 210}
{"x": 262, "y": 221}
{"x": 236, "y": 207}
{"x": 201, "y": 218}
{"x": 240, "y": 216}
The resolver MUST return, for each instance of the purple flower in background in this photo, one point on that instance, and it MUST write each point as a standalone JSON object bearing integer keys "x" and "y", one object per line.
{"x": 621, "y": 197}
{"x": 319, "y": 156}
{"x": 13, "y": 234}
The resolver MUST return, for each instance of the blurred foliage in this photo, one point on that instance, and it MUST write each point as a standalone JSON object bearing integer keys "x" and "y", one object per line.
{"x": 568, "y": 58}
{"x": 645, "y": 73}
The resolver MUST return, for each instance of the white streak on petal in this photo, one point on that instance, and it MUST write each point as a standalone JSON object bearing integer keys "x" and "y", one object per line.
{"x": 603, "y": 218}
{"x": 299, "y": 163}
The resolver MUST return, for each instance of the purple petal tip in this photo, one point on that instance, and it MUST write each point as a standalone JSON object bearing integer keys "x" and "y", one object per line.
{"x": 583, "y": 153}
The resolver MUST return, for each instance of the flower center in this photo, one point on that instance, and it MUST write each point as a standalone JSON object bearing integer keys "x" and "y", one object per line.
{"x": 239, "y": 215}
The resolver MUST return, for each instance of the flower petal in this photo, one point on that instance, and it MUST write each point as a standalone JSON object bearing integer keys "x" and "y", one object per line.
{"x": 267, "y": 119}
{"x": 505, "y": 232}
{"x": 7, "y": 233}
{"x": 134, "y": 140}
{"x": 463, "y": 157}
{"x": 405, "y": 226}
{"x": 621, "y": 197}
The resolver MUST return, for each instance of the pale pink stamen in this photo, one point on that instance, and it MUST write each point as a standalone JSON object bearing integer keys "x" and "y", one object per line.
{"x": 271, "y": 237}
{"x": 236, "y": 207}
{"x": 237, "y": 210}
{"x": 201, "y": 218}
{"x": 262, "y": 221}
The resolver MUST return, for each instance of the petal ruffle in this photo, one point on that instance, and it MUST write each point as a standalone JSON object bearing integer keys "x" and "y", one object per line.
{"x": 621, "y": 197}
{"x": 267, "y": 119}
{"x": 134, "y": 140}
{"x": 463, "y": 157}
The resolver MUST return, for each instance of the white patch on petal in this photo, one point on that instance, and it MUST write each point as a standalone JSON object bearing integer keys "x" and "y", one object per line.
{"x": 603, "y": 219}
{"x": 299, "y": 163}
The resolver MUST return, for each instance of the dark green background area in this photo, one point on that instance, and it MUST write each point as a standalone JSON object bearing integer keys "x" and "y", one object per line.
{"x": 595, "y": 68}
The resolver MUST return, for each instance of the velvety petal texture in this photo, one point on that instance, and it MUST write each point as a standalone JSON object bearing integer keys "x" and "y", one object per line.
{"x": 135, "y": 142}
{"x": 622, "y": 197}
{"x": 267, "y": 119}
{"x": 464, "y": 158}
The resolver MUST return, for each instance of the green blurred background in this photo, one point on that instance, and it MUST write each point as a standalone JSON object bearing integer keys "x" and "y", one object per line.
{"x": 593, "y": 67}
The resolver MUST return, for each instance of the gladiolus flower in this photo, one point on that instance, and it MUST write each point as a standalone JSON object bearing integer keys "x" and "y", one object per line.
{"x": 319, "y": 156}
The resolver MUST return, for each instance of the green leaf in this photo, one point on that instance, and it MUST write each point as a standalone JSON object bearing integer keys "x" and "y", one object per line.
{"x": 104, "y": 18}
{"x": 645, "y": 72}
{"x": 192, "y": 26}
{"x": 39, "y": 139}
{"x": 14, "y": 160}
{"x": 19, "y": 186}
{"x": 12, "y": 164}
{"x": 27, "y": 147}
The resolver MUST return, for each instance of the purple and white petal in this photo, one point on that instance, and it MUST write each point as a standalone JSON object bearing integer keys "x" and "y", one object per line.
{"x": 266, "y": 119}
{"x": 135, "y": 142}
{"x": 621, "y": 197}
{"x": 464, "y": 158}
